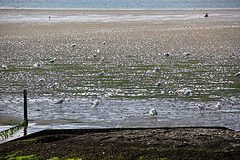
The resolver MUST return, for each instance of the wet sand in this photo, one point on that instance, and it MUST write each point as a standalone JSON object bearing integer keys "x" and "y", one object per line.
{"x": 133, "y": 44}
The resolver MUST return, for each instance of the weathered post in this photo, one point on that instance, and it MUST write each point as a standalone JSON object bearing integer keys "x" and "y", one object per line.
{"x": 25, "y": 107}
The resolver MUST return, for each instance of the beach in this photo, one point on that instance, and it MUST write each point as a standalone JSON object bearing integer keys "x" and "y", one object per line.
{"x": 175, "y": 61}
{"x": 127, "y": 46}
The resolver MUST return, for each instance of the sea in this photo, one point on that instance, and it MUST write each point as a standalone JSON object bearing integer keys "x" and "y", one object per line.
{"x": 121, "y": 4}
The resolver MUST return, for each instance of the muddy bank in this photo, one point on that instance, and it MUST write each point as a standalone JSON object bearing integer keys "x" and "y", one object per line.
{"x": 169, "y": 143}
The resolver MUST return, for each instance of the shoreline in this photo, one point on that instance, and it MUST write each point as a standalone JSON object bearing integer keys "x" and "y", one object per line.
{"x": 115, "y": 16}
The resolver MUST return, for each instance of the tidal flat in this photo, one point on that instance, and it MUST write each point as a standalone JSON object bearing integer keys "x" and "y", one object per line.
{"x": 118, "y": 57}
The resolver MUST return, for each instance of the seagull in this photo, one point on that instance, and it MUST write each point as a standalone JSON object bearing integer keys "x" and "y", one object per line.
{"x": 158, "y": 84}
{"x": 38, "y": 64}
{"x": 237, "y": 74}
{"x": 218, "y": 106}
{"x": 167, "y": 54}
{"x": 60, "y": 101}
{"x": 153, "y": 112}
{"x": 4, "y": 66}
{"x": 117, "y": 91}
{"x": 42, "y": 80}
{"x": 101, "y": 73}
{"x": 98, "y": 50}
{"x": 52, "y": 60}
{"x": 186, "y": 53}
{"x": 95, "y": 103}
{"x": 73, "y": 45}
{"x": 200, "y": 107}
{"x": 156, "y": 70}
{"x": 187, "y": 93}
{"x": 104, "y": 43}
{"x": 54, "y": 85}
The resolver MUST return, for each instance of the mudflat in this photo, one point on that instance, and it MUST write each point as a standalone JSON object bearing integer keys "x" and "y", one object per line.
{"x": 130, "y": 48}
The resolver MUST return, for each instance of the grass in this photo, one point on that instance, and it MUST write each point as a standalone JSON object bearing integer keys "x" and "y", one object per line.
{"x": 121, "y": 153}
{"x": 13, "y": 157}
{"x": 29, "y": 140}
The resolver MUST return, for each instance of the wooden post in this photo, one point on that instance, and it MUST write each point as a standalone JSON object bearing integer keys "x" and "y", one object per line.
{"x": 25, "y": 106}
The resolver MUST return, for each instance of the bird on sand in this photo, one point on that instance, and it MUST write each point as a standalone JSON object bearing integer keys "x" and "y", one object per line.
{"x": 60, "y": 101}
{"x": 95, "y": 103}
{"x": 4, "y": 66}
{"x": 218, "y": 106}
{"x": 37, "y": 64}
{"x": 237, "y": 74}
{"x": 187, "y": 93}
{"x": 153, "y": 112}
{"x": 55, "y": 85}
{"x": 98, "y": 50}
{"x": 167, "y": 54}
{"x": 42, "y": 80}
{"x": 200, "y": 107}
{"x": 73, "y": 45}
{"x": 156, "y": 70}
{"x": 186, "y": 53}
{"x": 158, "y": 83}
{"x": 101, "y": 73}
{"x": 52, "y": 60}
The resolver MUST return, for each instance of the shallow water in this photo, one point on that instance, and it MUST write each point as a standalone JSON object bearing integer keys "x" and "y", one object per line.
{"x": 79, "y": 112}
{"x": 33, "y": 128}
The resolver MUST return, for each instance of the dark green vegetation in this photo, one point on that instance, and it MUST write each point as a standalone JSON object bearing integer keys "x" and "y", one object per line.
{"x": 6, "y": 133}
{"x": 124, "y": 153}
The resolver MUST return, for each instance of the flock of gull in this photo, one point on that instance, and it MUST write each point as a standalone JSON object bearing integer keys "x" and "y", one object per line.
{"x": 95, "y": 103}
{"x": 218, "y": 106}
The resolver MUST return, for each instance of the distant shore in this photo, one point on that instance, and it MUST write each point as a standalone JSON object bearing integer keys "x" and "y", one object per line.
{"x": 91, "y": 15}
